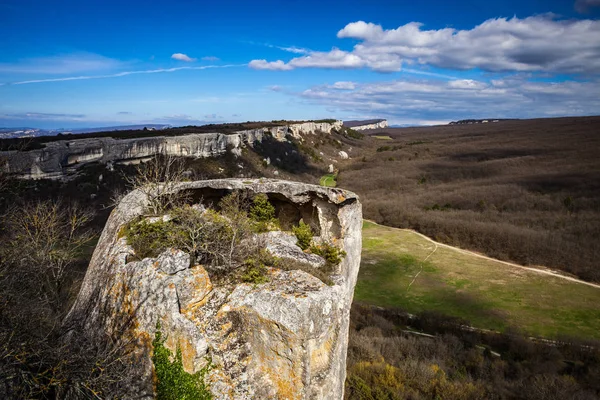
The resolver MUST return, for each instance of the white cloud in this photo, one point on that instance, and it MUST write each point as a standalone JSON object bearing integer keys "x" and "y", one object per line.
{"x": 210, "y": 58}
{"x": 404, "y": 101}
{"x": 62, "y": 64}
{"x": 335, "y": 58}
{"x": 182, "y": 57}
{"x": 538, "y": 43}
{"x": 468, "y": 84}
{"x": 583, "y": 6}
{"x": 272, "y": 66}
{"x": 44, "y": 116}
{"x": 344, "y": 85}
{"x": 294, "y": 49}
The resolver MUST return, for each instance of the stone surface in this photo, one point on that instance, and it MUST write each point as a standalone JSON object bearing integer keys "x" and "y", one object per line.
{"x": 367, "y": 124}
{"x": 283, "y": 244}
{"x": 64, "y": 157}
{"x": 284, "y": 339}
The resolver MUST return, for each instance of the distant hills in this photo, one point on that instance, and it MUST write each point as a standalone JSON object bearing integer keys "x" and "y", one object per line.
{"x": 480, "y": 121}
{"x": 25, "y": 132}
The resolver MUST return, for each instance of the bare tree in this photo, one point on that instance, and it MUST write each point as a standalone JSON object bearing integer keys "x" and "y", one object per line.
{"x": 158, "y": 179}
{"x": 44, "y": 239}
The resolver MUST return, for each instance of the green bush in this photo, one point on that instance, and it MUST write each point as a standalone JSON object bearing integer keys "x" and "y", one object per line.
{"x": 351, "y": 133}
{"x": 148, "y": 239}
{"x": 172, "y": 381}
{"x": 332, "y": 255}
{"x": 304, "y": 234}
{"x": 262, "y": 210}
{"x": 255, "y": 271}
{"x": 262, "y": 213}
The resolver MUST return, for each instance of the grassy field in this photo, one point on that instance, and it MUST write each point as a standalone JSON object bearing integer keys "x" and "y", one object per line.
{"x": 328, "y": 180}
{"x": 489, "y": 294}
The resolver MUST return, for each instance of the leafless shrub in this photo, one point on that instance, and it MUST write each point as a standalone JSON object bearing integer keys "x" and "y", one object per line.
{"x": 157, "y": 179}
{"x": 42, "y": 241}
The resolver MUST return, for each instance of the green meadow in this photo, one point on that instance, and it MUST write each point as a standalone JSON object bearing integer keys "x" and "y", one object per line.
{"x": 487, "y": 293}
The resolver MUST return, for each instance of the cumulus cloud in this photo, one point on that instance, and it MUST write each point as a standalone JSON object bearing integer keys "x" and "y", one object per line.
{"x": 407, "y": 101}
{"x": 583, "y": 6}
{"x": 538, "y": 43}
{"x": 182, "y": 57}
{"x": 271, "y": 66}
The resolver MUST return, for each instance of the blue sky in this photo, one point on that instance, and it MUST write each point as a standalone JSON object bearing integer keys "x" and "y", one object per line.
{"x": 97, "y": 63}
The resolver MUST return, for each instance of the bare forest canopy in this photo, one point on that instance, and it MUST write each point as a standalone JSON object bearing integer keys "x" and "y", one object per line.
{"x": 526, "y": 191}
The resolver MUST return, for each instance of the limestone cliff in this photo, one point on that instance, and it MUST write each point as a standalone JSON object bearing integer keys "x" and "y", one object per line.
{"x": 65, "y": 156}
{"x": 284, "y": 339}
{"x": 367, "y": 124}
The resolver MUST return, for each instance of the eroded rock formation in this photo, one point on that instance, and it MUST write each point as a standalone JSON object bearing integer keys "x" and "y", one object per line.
{"x": 65, "y": 156}
{"x": 284, "y": 339}
{"x": 367, "y": 124}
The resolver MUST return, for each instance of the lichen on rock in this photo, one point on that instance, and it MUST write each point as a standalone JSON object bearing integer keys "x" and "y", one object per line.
{"x": 282, "y": 339}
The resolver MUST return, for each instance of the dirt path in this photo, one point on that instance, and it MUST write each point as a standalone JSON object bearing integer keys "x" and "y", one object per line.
{"x": 421, "y": 270}
{"x": 470, "y": 253}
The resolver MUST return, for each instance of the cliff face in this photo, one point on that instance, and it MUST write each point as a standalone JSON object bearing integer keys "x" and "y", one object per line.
{"x": 284, "y": 339}
{"x": 62, "y": 157}
{"x": 374, "y": 125}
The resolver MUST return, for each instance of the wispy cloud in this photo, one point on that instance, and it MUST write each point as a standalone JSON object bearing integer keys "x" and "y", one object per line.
{"x": 182, "y": 57}
{"x": 120, "y": 74}
{"x": 289, "y": 49}
{"x": 62, "y": 64}
{"x": 185, "y": 119}
{"x": 293, "y": 49}
{"x": 344, "y": 85}
{"x": 43, "y": 116}
{"x": 210, "y": 58}
{"x": 125, "y": 113}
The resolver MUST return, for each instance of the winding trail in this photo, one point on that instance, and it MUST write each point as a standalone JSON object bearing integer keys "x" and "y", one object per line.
{"x": 422, "y": 262}
{"x": 470, "y": 253}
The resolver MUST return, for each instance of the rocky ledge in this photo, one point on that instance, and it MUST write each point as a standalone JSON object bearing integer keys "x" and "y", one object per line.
{"x": 283, "y": 339}
{"x": 63, "y": 158}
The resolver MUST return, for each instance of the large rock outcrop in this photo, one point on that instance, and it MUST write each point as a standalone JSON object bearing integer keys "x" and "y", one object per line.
{"x": 62, "y": 157}
{"x": 367, "y": 124}
{"x": 284, "y": 339}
